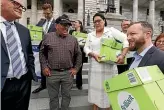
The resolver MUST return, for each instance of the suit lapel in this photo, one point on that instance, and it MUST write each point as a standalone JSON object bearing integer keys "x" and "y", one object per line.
{"x": 51, "y": 26}
{"x": 43, "y": 22}
{"x": 21, "y": 36}
{"x": 3, "y": 43}
{"x": 146, "y": 57}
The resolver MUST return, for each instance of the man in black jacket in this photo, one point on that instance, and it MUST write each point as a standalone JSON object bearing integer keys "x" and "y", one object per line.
{"x": 48, "y": 25}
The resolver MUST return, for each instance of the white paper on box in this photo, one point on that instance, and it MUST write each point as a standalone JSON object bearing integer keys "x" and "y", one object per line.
{"x": 143, "y": 74}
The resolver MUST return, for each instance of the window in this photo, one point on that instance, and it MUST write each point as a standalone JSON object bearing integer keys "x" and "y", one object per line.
{"x": 28, "y": 4}
{"x": 28, "y": 21}
{"x": 111, "y": 2}
{"x": 110, "y": 6}
{"x": 147, "y": 12}
{"x": 121, "y": 10}
{"x": 162, "y": 15}
{"x": 162, "y": 29}
{"x": 102, "y": 1}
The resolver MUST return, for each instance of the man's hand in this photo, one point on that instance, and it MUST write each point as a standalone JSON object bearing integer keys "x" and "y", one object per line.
{"x": 73, "y": 71}
{"x": 46, "y": 71}
{"x": 120, "y": 59}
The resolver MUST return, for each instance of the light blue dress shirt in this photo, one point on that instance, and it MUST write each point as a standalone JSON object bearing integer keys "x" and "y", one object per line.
{"x": 138, "y": 57}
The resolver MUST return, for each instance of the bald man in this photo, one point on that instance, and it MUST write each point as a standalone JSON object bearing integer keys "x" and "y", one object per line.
{"x": 17, "y": 60}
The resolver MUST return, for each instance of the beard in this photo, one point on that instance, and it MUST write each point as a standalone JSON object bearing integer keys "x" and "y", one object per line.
{"x": 136, "y": 44}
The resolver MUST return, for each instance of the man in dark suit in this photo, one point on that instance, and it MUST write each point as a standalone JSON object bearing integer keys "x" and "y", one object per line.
{"x": 17, "y": 60}
{"x": 140, "y": 40}
{"x": 48, "y": 25}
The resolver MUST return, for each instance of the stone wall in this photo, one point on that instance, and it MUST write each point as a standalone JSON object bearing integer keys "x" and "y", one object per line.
{"x": 142, "y": 16}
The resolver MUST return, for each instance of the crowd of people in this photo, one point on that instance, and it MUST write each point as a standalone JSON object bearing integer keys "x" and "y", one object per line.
{"x": 62, "y": 57}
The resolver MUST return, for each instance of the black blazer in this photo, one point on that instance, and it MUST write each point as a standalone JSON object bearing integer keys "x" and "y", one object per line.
{"x": 26, "y": 49}
{"x": 52, "y": 25}
{"x": 153, "y": 56}
{"x": 51, "y": 28}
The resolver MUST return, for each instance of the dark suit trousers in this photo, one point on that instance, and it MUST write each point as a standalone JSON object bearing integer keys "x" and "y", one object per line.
{"x": 16, "y": 94}
{"x": 123, "y": 68}
{"x": 79, "y": 73}
{"x": 43, "y": 80}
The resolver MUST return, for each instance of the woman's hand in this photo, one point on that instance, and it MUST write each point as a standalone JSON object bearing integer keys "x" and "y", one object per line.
{"x": 95, "y": 56}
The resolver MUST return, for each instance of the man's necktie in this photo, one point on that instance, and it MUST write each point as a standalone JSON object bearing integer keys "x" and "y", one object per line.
{"x": 13, "y": 51}
{"x": 46, "y": 29}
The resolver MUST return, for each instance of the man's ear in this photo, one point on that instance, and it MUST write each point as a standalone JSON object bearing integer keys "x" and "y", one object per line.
{"x": 148, "y": 34}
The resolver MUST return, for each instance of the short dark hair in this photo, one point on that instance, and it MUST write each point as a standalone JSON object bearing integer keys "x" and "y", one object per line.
{"x": 47, "y": 6}
{"x": 144, "y": 24}
{"x": 101, "y": 16}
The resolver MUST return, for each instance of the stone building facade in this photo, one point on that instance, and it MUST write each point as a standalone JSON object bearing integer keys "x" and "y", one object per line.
{"x": 114, "y": 10}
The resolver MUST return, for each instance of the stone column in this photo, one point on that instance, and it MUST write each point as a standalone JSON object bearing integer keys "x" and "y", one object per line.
{"x": 58, "y": 8}
{"x": 152, "y": 12}
{"x": 33, "y": 12}
{"x": 135, "y": 10}
{"x": 117, "y": 6}
{"x": 23, "y": 20}
{"x": 80, "y": 10}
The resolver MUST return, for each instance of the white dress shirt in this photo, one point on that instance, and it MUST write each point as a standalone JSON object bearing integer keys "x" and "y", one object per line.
{"x": 16, "y": 35}
{"x": 45, "y": 24}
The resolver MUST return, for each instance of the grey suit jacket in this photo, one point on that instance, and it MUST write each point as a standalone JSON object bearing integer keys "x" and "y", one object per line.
{"x": 153, "y": 56}
{"x": 26, "y": 49}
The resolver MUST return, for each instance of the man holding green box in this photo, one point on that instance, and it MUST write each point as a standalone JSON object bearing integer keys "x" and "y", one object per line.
{"x": 140, "y": 40}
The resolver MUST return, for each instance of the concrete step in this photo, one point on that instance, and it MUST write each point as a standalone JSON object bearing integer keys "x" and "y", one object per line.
{"x": 77, "y": 103}
{"x": 74, "y": 92}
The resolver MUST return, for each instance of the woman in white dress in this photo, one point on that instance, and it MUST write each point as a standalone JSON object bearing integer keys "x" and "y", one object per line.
{"x": 98, "y": 72}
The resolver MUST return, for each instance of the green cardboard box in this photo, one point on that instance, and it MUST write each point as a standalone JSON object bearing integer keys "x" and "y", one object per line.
{"x": 137, "y": 89}
{"x": 110, "y": 49}
{"x": 81, "y": 37}
{"x": 36, "y": 32}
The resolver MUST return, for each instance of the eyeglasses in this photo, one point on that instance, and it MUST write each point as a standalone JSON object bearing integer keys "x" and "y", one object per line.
{"x": 160, "y": 42}
{"x": 18, "y": 5}
{"x": 97, "y": 21}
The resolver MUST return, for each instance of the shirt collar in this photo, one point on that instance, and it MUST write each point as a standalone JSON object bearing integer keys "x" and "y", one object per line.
{"x": 143, "y": 52}
{"x": 50, "y": 19}
{"x": 2, "y": 19}
{"x": 106, "y": 29}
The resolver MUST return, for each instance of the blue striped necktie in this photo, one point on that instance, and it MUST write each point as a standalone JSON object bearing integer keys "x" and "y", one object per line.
{"x": 13, "y": 51}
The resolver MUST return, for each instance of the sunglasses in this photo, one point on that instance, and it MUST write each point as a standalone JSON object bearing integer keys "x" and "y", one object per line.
{"x": 18, "y": 5}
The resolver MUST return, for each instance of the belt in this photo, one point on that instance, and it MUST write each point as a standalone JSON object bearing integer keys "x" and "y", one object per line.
{"x": 60, "y": 70}
{"x": 10, "y": 79}
{"x": 14, "y": 78}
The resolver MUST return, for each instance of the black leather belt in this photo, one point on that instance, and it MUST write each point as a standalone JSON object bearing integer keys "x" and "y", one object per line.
{"x": 14, "y": 78}
{"x": 10, "y": 79}
{"x": 61, "y": 70}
